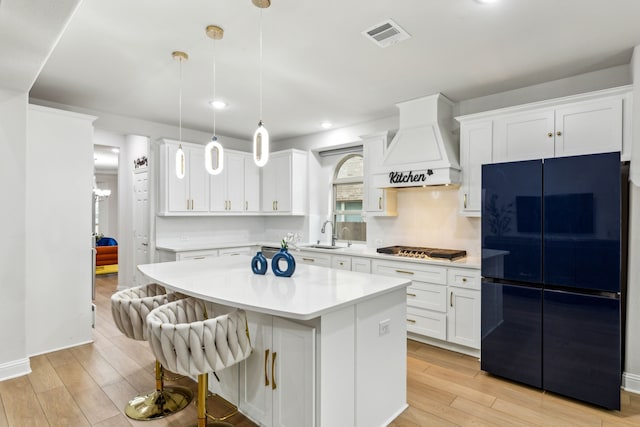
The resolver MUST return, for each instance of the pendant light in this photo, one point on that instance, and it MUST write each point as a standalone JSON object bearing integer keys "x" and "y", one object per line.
{"x": 214, "y": 166}
{"x": 180, "y": 156}
{"x": 261, "y": 136}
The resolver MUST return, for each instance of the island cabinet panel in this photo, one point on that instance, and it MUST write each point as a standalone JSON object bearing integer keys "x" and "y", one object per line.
{"x": 277, "y": 382}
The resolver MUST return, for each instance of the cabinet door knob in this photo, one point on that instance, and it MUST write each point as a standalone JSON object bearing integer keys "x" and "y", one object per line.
{"x": 550, "y": 134}
{"x": 559, "y": 133}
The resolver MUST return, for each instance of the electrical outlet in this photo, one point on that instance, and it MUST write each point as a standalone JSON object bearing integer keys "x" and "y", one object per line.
{"x": 384, "y": 327}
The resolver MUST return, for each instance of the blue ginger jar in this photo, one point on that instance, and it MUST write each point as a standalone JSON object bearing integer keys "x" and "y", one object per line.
{"x": 259, "y": 264}
{"x": 283, "y": 255}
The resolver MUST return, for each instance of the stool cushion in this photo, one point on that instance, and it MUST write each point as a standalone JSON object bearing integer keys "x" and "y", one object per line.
{"x": 130, "y": 308}
{"x": 186, "y": 341}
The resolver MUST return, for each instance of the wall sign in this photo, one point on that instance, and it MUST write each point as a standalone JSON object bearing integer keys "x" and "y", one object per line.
{"x": 402, "y": 177}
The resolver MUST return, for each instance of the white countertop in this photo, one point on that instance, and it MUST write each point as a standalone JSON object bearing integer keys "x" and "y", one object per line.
{"x": 360, "y": 250}
{"x": 311, "y": 292}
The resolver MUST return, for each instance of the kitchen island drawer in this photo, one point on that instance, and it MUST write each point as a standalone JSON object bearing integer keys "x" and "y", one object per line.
{"x": 312, "y": 258}
{"x": 464, "y": 278}
{"x": 414, "y": 271}
{"x": 427, "y": 295}
{"x": 426, "y": 322}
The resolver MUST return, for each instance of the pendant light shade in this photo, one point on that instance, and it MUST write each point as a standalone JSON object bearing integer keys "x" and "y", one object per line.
{"x": 214, "y": 157}
{"x": 214, "y": 152}
{"x": 261, "y": 145}
{"x": 261, "y": 136}
{"x": 180, "y": 156}
{"x": 180, "y": 162}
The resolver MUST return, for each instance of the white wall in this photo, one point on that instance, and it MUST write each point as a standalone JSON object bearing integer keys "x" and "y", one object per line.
{"x": 58, "y": 239}
{"x": 632, "y": 355}
{"x": 13, "y": 128}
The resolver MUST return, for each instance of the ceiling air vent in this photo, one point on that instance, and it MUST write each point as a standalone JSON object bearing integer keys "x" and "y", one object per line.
{"x": 386, "y": 33}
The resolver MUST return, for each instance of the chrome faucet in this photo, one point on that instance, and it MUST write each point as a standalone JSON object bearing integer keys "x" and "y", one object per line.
{"x": 333, "y": 236}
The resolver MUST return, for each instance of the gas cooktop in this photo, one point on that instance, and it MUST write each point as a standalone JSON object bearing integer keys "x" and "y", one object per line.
{"x": 425, "y": 253}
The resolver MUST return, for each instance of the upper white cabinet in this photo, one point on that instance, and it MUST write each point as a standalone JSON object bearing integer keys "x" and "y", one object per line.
{"x": 227, "y": 188}
{"x": 579, "y": 128}
{"x": 475, "y": 150}
{"x": 236, "y": 190}
{"x": 189, "y": 194}
{"x": 595, "y": 122}
{"x": 284, "y": 183}
{"x": 377, "y": 201}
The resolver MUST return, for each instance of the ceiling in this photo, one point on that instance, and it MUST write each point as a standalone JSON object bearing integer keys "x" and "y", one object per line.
{"x": 115, "y": 56}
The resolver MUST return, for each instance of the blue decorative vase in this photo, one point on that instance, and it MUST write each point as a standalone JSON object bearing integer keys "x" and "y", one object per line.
{"x": 283, "y": 254}
{"x": 259, "y": 264}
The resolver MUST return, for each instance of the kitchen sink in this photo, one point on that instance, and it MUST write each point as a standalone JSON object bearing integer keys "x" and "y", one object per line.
{"x": 324, "y": 247}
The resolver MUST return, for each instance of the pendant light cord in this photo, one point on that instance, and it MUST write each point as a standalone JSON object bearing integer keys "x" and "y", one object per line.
{"x": 260, "y": 67}
{"x": 180, "y": 105}
{"x": 214, "y": 87}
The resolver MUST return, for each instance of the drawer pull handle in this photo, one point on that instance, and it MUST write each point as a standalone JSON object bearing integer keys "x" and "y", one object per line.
{"x": 404, "y": 272}
{"x": 465, "y": 200}
{"x": 451, "y": 299}
{"x": 273, "y": 371}
{"x": 309, "y": 259}
{"x": 411, "y": 295}
{"x": 199, "y": 257}
{"x": 411, "y": 321}
{"x": 266, "y": 359}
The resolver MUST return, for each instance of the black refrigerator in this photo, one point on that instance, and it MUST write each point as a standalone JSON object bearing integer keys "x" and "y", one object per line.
{"x": 551, "y": 267}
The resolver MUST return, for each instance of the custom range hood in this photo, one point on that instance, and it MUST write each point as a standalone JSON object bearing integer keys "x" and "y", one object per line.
{"x": 423, "y": 151}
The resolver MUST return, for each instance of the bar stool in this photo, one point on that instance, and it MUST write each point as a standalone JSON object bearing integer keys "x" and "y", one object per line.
{"x": 130, "y": 308}
{"x": 187, "y": 341}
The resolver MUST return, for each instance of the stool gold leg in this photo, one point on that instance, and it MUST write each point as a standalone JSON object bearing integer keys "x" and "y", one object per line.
{"x": 160, "y": 403}
{"x": 203, "y": 391}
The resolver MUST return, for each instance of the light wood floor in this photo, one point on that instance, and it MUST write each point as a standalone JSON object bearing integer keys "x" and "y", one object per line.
{"x": 90, "y": 384}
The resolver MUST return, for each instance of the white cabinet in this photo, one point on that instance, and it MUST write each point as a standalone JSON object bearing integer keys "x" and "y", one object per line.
{"x": 277, "y": 382}
{"x": 251, "y": 185}
{"x": 237, "y": 188}
{"x": 284, "y": 183}
{"x": 244, "y": 250}
{"x": 227, "y": 188}
{"x": 585, "y": 127}
{"x": 464, "y": 307}
{"x": 443, "y": 303}
{"x": 189, "y": 194}
{"x": 196, "y": 255}
{"x": 361, "y": 265}
{"x": 475, "y": 150}
{"x": 377, "y": 201}
{"x": 312, "y": 258}
{"x": 341, "y": 262}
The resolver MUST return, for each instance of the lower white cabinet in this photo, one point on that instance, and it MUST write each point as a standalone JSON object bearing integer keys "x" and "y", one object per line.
{"x": 361, "y": 265}
{"x": 442, "y": 302}
{"x": 341, "y": 262}
{"x": 196, "y": 255}
{"x": 312, "y": 258}
{"x": 244, "y": 250}
{"x": 277, "y": 382}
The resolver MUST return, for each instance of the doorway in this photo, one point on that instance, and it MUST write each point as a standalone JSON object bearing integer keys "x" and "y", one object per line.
{"x": 105, "y": 209}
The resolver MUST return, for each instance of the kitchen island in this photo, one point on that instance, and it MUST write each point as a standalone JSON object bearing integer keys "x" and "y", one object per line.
{"x": 329, "y": 345}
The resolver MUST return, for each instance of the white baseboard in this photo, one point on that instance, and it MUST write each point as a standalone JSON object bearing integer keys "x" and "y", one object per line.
{"x": 61, "y": 348}
{"x": 631, "y": 382}
{"x": 15, "y": 368}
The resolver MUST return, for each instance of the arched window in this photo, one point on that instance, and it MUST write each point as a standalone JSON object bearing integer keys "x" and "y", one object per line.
{"x": 348, "y": 193}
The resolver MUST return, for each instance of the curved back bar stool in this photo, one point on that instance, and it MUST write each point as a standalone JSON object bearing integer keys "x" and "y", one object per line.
{"x": 188, "y": 342}
{"x": 130, "y": 308}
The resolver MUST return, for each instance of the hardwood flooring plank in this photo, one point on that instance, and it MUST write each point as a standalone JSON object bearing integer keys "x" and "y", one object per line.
{"x": 116, "y": 421}
{"x": 447, "y": 386}
{"x": 43, "y": 377}
{"x": 21, "y": 405}
{"x": 413, "y": 417}
{"x": 96, "y": 365}
{"x": 61, "y": 409}
{"x": 61, "y": 357}
{"x": 3, "y": 417}
{"x": 488, "y": 414}
{"x": 91, "y": 399}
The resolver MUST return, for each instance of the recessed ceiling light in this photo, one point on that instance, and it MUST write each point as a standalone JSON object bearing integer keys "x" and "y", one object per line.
{"x": 115, "y": 150}
{"x": 486, "y": 1}
{"x": 326, "y": 125}
{"x": 219, "y": 105}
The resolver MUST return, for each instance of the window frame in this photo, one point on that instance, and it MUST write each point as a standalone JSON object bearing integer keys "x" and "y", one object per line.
{"x": 334, "y": 193}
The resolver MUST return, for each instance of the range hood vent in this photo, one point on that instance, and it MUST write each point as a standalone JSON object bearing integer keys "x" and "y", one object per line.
{"x": 423, "y": 151}
{"x": 386, "y": 33}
